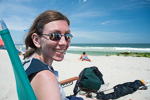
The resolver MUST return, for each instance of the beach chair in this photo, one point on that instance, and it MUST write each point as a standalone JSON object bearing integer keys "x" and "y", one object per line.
{"x": 24, "y": 89}
{"x": 68, "y": 82}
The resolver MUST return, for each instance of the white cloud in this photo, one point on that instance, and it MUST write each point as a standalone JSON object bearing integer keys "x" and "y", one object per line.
{"x": 114, "y": 22}
{"x": 106, "y": 22}
{"x": 87, "y": 14}
{"x": 100, "y": 35}
{"x": 84, "y": 0}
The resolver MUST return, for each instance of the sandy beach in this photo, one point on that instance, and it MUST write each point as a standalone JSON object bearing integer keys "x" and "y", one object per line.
{"x": 115, "y": 70}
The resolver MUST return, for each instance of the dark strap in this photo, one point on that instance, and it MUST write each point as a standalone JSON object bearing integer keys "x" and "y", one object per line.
{"x": 76, "y": 89}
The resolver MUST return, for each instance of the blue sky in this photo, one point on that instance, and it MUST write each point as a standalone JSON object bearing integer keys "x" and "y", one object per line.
{"x": 92, "y": 21}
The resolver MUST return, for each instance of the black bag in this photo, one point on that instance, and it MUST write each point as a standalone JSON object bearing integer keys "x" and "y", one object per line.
{"x": 90, "y": 79}
{"x": 121, "y": 90}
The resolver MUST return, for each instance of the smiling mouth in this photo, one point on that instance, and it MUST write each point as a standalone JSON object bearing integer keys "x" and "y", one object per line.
{"x": 60, "y": 51}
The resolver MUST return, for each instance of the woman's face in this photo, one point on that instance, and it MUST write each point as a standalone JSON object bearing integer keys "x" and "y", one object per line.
{"x": 54, "y": 49}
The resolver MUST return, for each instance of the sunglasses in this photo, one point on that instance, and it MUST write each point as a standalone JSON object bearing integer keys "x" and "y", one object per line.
{"x": 57, "y": 36}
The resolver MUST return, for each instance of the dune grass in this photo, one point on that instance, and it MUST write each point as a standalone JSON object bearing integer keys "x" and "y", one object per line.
{"x": 133, "y": 54}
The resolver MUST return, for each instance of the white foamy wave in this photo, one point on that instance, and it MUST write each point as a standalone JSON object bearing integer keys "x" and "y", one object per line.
{"x": 109, "y": 49}
{"x": 100, "y": 49}
{"x": 93, "y": 48}
{"x": 133, "y": 49}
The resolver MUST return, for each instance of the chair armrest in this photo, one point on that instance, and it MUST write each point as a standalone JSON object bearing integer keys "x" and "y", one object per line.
{"x": 69, "y": 80}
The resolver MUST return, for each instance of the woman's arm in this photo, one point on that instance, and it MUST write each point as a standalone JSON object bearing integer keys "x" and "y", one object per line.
{"x": 45, "y": 86}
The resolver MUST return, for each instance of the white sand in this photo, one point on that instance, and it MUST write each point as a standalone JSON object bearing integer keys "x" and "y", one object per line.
{"x": 116, "y": 70}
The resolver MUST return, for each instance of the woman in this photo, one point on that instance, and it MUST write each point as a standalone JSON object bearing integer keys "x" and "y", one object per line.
{"x": 84, "y": 57}
{"x": 47, "y": 40}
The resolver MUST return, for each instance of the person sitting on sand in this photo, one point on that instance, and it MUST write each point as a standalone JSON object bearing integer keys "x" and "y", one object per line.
{"x": 84, "y": 57}
{"x": 47, "y": 40}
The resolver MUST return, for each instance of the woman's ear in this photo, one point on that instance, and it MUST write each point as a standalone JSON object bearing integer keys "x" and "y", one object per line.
{"x": 36, "y": 40}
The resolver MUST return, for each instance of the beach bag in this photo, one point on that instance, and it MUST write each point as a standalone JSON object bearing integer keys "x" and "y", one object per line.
{"x": 90, "y": 79}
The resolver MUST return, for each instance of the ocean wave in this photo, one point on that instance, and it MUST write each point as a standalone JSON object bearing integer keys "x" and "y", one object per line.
{"x": 100, "y": 49}
{"x": 109, "y": 49}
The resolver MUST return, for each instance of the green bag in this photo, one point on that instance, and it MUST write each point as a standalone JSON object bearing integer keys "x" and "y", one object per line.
{"x": 91, "y": 79}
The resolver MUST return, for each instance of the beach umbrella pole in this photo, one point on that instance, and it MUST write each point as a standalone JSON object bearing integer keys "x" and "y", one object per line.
{"x": 24, "y": 89}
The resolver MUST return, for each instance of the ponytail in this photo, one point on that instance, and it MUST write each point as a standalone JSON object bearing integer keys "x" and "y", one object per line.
{"x": 28, "y": 53}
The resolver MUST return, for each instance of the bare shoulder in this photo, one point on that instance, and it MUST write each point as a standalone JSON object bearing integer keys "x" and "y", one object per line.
{"x": 45, "y": 83}
{"x": 45, "y": 75}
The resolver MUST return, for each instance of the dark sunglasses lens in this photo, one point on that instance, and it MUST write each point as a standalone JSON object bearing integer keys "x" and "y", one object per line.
{"x": 68, "y": 36}
{"x": 55, "y": 36}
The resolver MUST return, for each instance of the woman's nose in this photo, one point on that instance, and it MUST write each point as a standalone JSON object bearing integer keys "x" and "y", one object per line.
{"x": 62, "y": 41}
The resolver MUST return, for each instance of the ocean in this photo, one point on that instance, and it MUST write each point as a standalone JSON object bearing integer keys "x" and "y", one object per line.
{"x": 102, "y": 49}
